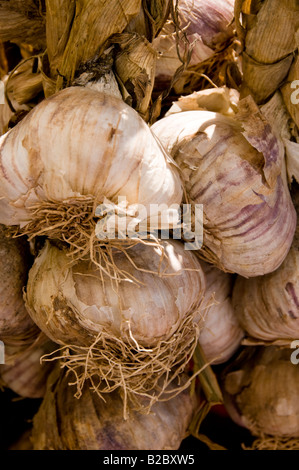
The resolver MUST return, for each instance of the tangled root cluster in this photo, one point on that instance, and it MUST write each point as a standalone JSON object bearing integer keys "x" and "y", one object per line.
{"x": 112, "y": 362}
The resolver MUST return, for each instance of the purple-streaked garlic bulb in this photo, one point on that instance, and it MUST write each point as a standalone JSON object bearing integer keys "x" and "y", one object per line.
{"x": 221, "y": 333}
{"x": 233, "y": 167}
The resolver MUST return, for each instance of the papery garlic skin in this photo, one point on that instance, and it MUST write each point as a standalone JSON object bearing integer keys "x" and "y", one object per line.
{"x": 233, "y": 167}
{"x": 207, "y": 25}
{"x": 93, "y": 424}
{"x": 23, "y": 372}
{"x": 15, "y": 323}
{"x": 221, "y": 333}
{"x": 72, "y": 303}
{"x": 267, "y": 307}
{"x": 80, "y": 142}
{"x": 260, "y": 392}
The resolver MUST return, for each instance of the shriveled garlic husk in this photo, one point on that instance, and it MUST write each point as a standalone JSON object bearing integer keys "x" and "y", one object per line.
{"x": 218, "y": 100}
{"x": 121, "y": 32}
{"x": 15, "y": 323}
{"x": 221, "y": 333}
{"x": 22, "y": 21}
{"x": 126, "y": 336}
{"x": 4, "y": 68}
{"x": 23, "y": 371}
{"x": 233, "y": 167}
{"x": 197, "y": 32}
{"x": 151, "y": 18}
{"x": 74, "y": 151}
{"x": 21, "y": 91}
{"x": 260, "y": 393}
{"x": 90, "y": 423}
{"x": 5, "y": 111}
{"x": 24, "y": 84}
{"x": 267, "y": 306}
{"x": 268, "y": 31}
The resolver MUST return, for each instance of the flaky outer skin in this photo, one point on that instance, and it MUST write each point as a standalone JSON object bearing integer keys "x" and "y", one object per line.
{"x": 66, "y": 423}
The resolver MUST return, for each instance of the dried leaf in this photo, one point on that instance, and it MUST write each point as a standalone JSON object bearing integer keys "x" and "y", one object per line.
{"x": 135, "y": 66}
{"x": 94, "y": 22}
{"x": 22, "y": 21}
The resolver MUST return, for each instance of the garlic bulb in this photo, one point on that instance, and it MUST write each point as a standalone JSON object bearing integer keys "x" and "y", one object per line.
{"x": 260, "y": 392}
{"x": 221, "y": 333}
{"x": 267, "y": 306}
{"x": 144, "y": 327}
{"x": 65, "y": 423}
{"x": 72, "y": 152}
{"x": 207, "y": 26}
{"x": 23, "y": 373}
{"x": 233, "y": 167}
{"x": 15, "y": 323}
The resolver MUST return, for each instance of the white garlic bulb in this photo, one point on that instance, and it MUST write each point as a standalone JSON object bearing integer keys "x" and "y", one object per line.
{"x": 73, "y": 151}
{"x": 144, "y": 327}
